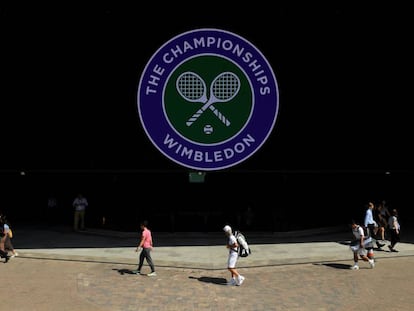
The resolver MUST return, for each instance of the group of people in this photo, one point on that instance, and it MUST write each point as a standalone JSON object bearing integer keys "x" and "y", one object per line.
{"x": 382, "y": 222}
{"x": 379, "y": 223}
{"x": 145, "y": 247}
{"x": 6, "y": 234}
{"x": 79, "y": 204}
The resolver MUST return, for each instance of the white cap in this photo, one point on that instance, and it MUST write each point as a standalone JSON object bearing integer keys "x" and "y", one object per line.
{"x": 227, "y": 228}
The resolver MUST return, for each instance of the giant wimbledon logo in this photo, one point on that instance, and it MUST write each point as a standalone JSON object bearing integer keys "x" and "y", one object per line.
{"x": 208, "y": 99}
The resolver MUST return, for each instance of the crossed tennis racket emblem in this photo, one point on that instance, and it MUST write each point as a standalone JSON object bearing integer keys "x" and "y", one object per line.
{"x": 193, "y": 89}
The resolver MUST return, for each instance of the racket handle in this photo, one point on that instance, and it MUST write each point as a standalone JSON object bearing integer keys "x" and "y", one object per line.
{"x": 220, "y": 116}
{"x": 194, "y": 117}
{"x": 200, "y": 111}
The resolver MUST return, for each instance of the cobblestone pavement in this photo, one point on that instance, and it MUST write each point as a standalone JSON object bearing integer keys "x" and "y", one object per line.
{"x": 66, "y": 285}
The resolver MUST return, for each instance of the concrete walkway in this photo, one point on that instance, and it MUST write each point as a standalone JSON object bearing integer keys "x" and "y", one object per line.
{"x": 58, "y": 269}
{"x": 194, "y": 250}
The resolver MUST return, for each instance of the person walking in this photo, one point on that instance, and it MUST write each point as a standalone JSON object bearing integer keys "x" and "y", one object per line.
{"x": 382, "y": 215}
{"x": 80, "y": 203}
{"x": 371, "y": 224}
{"x": 232, "y": 245}
{"x": 8, "y": 245}
{"x": 394, "y": 227}
{"x": 358, "y": 246}
{"x": 146, "y": 246}
{"x": 8, "y": 235}
{"x": 3, "y": 253}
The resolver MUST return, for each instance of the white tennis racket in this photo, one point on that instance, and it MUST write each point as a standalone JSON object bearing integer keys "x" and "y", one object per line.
{"x": 193, "y": 88}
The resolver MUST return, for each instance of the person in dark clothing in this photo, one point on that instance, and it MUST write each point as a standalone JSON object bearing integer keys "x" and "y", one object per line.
{"x": 3, "y": 252}
{"x": 394, "y": 227}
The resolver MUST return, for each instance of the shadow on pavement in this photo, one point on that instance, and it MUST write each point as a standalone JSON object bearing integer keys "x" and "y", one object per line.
{"x": 336, "y": 265}
{"x": 124, "y": 271}
{"x": 213, "y": 280}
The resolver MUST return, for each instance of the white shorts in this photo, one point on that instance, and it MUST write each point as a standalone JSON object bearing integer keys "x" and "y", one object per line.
{"x": 362, "y": 252}
{"x": 232, "y": 260}
{"x": 359, "y": 250}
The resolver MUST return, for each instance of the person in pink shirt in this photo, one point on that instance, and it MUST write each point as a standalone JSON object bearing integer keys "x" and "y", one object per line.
{"x": 145, "y": 245}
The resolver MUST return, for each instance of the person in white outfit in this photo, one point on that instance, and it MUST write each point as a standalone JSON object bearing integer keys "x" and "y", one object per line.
{"x": 358, "y": 246}
{"x": 232, "y": 245}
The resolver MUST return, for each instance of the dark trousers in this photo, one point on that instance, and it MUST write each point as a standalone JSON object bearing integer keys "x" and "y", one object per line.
{"x": 79, "y": 220}
{"x": 146, "y": 254}
{"x": 371, "y": 228}
{"x": 394, "y": 237}
{"x": 3, "y": 254}
{"x": 8, "y": 246}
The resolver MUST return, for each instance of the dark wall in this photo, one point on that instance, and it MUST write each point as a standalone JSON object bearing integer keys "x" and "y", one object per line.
{"x": 71, "y": 75}
{"x": 69, "y": 114}
{"x": 280, "y": 201}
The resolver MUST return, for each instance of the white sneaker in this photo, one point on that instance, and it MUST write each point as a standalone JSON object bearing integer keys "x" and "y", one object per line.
{"x": 371, "y": 263}
{"x": 232, "y": 282}
{"x": 240, "y": 280}
{"x": 354, "y": 267}
{"x": 152, "y": 274}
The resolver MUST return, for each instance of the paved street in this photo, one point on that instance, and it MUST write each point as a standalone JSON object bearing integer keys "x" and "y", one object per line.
{"x": 51, "y": 279}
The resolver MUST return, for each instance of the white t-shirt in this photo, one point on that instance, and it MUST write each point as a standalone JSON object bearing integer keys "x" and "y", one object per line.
{"x": 358, "y": 233}
{"x": 233, "y": 254}
{"x": 393, "y": 223}
{"x": 232, "y": 240}
{"x": 80, "y": 204}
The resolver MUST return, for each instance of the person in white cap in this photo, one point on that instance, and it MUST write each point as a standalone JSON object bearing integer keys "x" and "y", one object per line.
{"x": 236, "y": 278}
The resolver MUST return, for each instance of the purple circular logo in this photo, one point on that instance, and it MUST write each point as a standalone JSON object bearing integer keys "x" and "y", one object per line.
{"x": 208, "y": 99}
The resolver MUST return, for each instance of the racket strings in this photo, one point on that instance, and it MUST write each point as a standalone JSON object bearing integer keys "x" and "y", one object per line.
{"x": 226, "y": 86}
{"x": 191, "y": 87}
